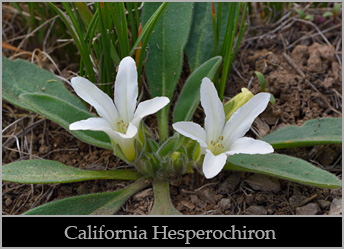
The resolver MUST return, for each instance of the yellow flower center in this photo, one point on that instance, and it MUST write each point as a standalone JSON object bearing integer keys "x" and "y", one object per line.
{"x": 217, "y": 147}
{"x": 122, "y": 126}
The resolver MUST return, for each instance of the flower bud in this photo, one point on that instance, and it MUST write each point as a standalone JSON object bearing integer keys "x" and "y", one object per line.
{"x": 236, "y": 102}
{"x": 176, "y": 162}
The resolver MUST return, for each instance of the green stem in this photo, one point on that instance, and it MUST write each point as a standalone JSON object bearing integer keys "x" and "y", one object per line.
{"x": 163, "y": 122}
{"x": 162, "y": 200}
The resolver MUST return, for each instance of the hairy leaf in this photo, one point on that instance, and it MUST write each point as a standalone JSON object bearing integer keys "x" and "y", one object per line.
{"x": 312, "y": 132}
{"x": 92, "y": 204}
{"x": 189, "y": 97}
{"x": 20, "y": 76}
{"x": 64, "y": 114}
{"x": 47, "y": 171}
{"x": 165, "y": 52}
{"x": 285, "y": 167}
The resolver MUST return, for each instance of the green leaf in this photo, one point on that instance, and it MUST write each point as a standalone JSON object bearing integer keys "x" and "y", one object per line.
{"x": 47, "y": 171}
{"x": 200, "y": 46}
{"x": 64, "y": 114}
{"x": 85, "y": 13}
{"x": 37, "y": 90}
{"x": 285, "y": 167}
{"x": 93, "y": 204}
{"x": 309, "y": 17}
{"x": 77, "y": 35}
{"x": 168, "y": 146}
{"x": 312, "y": 132}
{"x": 327, "y": 13}
{"x": 300, "y": 13}
{"x": 261, "y": 80}
{"x": 190, "y": 95}
{"x": 145, "y": 36}
{"x": 165, "y": 52}
{"x": 162, "y": 201}
{"x": 20, "y": 76}
{"x": 336, "y": 8}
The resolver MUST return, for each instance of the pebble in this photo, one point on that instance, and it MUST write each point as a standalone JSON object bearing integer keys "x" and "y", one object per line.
{"x": 336, "y": 207}
{"x": 324, "y": 204}
{"x": 230, "y": 184}
{"x": 263, "y": 183}
{"x": 207, "y": 195}
{"x": 224, "y": 204}
{"x": 297, "y": 199}
{"x": 8, "y": 202}
{"x": 309, "y": 209}
{"x": 256, "y": 210}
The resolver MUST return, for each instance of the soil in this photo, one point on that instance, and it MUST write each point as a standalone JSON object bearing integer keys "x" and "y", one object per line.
{"x": 306, "y": 81}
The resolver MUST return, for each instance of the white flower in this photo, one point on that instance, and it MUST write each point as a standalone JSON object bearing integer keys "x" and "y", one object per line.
{"x": 120, "y": 119}
{"x": 218, "y": 139}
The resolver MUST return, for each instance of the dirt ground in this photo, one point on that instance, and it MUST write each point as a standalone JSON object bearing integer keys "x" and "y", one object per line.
{"x": 303, "y": 73}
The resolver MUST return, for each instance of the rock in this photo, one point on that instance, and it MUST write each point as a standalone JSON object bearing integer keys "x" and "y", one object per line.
{"x": 194, "y": 198}
{"x": 309, "y": 209}
{"x": 297, "y": 199}
{"x": 207, "y": 195}
{"x": 256, "y": 210}
{"x": 230, "y": 184}
{"x": 336, "y": 207}
{"x": 324, "y": 204}
{"x": 263, "y": 183}
{"x": 8, "y": 202}
{"x": 224, "y": 204}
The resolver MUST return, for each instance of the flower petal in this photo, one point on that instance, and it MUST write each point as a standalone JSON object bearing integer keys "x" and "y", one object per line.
{"x": 212, "y": 165}
{"x": 125, "y": 141}
{"x": 93, "y": 124}
{"x": 247, "y": 145}
{"x": 149, "y": 107}
{"x": 241, "y": 121}
{"x": 101, "y": 124}
{"x": 126, "y": 89}
{"x": 191, "y": 130}
{"x": 213, "y": 108}
{"x": 95, "y": 97}
{"x": 131, "y": 131}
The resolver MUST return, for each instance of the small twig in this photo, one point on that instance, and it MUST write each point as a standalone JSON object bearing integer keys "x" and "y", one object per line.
{"x": 311, "y": 35}
{"x": 293, "y": 65}
{"x": 17, "y": 122}
{"x": 23, "y": 131}
{"x": 206, "y": 185}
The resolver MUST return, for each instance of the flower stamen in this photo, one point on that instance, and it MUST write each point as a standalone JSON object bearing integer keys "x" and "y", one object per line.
{"x": 122, "y": 126}
{"x": 217, "y": 147}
